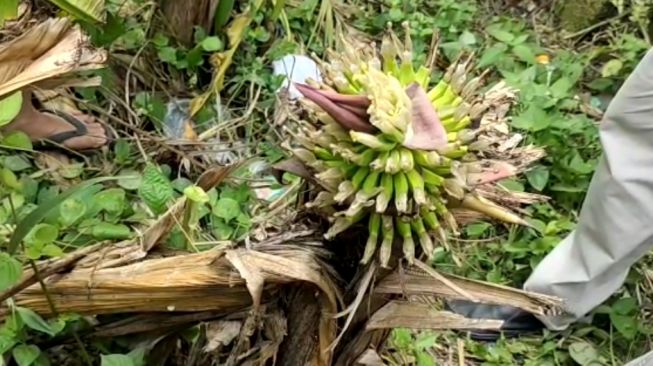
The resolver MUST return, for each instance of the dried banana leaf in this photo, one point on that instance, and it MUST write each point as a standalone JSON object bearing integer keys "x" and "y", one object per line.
{"x": 417, "y": 282}
{"x": 217, "y": 280}
{"x": 49, "y": 50}
{"x": 415, "y": 315}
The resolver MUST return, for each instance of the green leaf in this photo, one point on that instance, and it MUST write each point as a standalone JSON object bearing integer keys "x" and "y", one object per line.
{"x": 222, "y": 230}
{"x": 70, "y": 171}
{"x": 424, "y": 359}
{"x": 578, "y": 165}
{"x": 129, "y": 179}
{"x": 155, "y": 189}
{"x": 151, "y": 106}
{"x": 241, "y": 193}
{"x": 538, "y": 177}
{"x": 42, "y": 234}
{"x": 227, "y": 209}
{"x": 52, "y": 250}
{"x": 477, "y": 229}
{"x": 561, "y": 87}
{"x": 533, "y": 119}
{"x": 625, "y": 306}
{"x": 583, "y": 353}
{"x": 7, "y": 342}
{"x": 17, "y": 200}
{"x": 10, "y": 105}
{"x": 30, "y": 188}
{"x": 196, "y": 194}
{"x": 500, "y": 34}
{"x": 492, "y": 55}
{"x": 211, "y": 44}
{"x": 194, "y": 57}
{"x": 401, "y": 337}
{"x": 138, "y": 355}
{"x": 538, "y": 225}
{"x": 611, "y": 68}
{"x": 425, "y": 341}
{"x": 223, "y": 13}
{"x": 43, "y": 360}
{"x": 467, "y": 38}
{"x": 600, "y": 84}
{"x": 8, "y": 11}
{"x": 34, "y": 251}
{"x": 524, "y": 53}
{"x": 91, "y": 11}
{"x": 519, "y": 40}
{"x": 116, "y": 360}
{"x": 180, "y": 184}
{"x": 18, "y": 140}
{"x": 25, "y": 355}
{"x": 168, "y": 54}
{"x": 395, "y": 14}
{"x": 70, "y": 211}
{"x": 160, "y": 40}
{"x": 512, "y": 185}
{"x": 626, "y": 325}
{"x": 9, "y": 179}
{"x": 16, "y": 163}
{"x": 34, "y": 321}
{"x": 176, "y": 239}
{"x": 108, "y": 231}
{"x": 25, "y": 226}
{"x": 10, "y": 271}
{"x": 111, "y": 200}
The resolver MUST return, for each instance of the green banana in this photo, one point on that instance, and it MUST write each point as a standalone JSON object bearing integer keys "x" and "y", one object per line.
{"x": 388, "y": 237}
{"x": 406, "y": 161}
{"x": 437, "y": 91}
{"x": 371, "y": 141}
{"x": 424, "y": 239}
{"x": 380, "y": 162}
{"x": 406, "y": 233}
{"x": 393, "y": 164}
{"x": 431, "y": 178}
{"x": 417, "y": 186}
{"x": 384, "y": 197}
{"x": 401, "y": 192}
{"x": 373, "y": 228}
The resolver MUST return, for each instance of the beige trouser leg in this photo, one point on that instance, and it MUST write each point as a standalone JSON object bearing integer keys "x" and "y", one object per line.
{"x": 646, "y": 360}
{"x": 616, "y": 221}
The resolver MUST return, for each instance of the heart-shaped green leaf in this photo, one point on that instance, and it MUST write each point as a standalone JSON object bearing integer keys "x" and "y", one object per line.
{"x": 34, "y": 321}
{"x": 25, "y": 355}
{"x": 42, "y": 234}
{"x": 18, "y": 140}
{"x": 226, "y": 208}
{"x": 10, "y": 106}
{"x": 10, "y": 271}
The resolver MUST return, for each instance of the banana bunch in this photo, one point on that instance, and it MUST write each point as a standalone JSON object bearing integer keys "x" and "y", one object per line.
{"x": 388, "y": 153}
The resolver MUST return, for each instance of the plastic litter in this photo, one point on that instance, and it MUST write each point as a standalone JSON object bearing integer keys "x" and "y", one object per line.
{"x": 296, "y": 69}
{"x": 176, "y": 120}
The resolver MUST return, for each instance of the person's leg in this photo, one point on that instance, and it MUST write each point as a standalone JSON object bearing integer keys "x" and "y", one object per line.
{"x": 39, "y": 125}
{"x": 615, "y": 227}
{"x": 644, "y": 360}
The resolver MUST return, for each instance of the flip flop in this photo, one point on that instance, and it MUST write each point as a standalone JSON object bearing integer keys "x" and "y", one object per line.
{"x": 57, "y": 140}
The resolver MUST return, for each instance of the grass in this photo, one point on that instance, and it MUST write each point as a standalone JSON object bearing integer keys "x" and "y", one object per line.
{"x": 565, "y": 82}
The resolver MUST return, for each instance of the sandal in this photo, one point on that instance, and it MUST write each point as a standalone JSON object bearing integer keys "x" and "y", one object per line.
{"x": 57, "y": 140}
